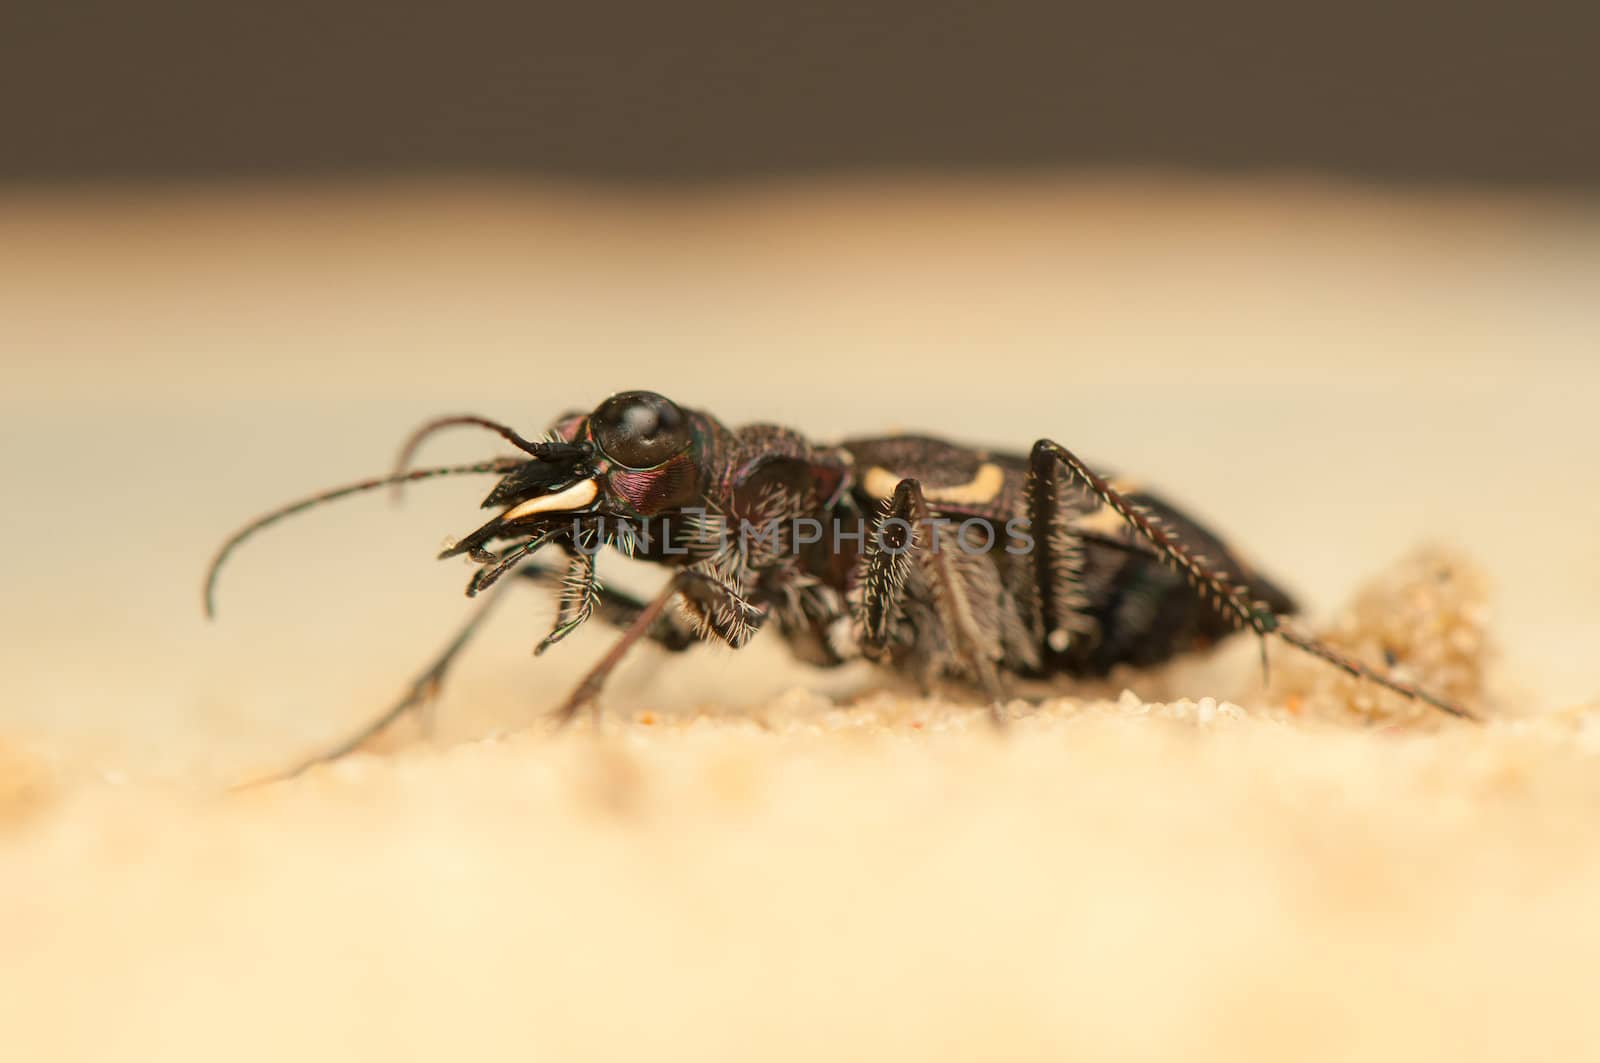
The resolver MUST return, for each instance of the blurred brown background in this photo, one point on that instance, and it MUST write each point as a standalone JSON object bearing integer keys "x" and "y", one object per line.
{"x": 1408, "y": 90}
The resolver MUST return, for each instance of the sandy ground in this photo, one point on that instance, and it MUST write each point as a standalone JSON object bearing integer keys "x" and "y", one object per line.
{"x": 747, "y": 858}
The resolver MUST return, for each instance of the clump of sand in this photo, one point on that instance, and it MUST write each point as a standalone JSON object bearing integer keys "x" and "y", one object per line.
{"x": 1196, "y": 878}
{"x": 1426, "y": 620}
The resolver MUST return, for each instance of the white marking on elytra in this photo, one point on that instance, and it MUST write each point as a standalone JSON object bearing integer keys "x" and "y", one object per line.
{"x": 1104, "y": 521}
{"x": 982, "y": 489}
{"x": 576, "y": 496}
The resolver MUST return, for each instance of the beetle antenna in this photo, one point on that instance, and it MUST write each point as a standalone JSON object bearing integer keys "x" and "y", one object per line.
{"x": 497, "y": 465}
{"x": 546, "y": 451}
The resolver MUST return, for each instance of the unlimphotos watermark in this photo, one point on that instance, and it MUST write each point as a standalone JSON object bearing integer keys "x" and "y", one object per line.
{"x": 893, "y": 535}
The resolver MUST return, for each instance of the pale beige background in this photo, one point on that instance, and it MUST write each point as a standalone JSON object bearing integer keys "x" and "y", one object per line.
{"x": 1331, "y": 375}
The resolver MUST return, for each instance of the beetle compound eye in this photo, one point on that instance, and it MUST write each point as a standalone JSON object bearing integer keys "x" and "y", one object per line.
{"x": 640, "y": 429}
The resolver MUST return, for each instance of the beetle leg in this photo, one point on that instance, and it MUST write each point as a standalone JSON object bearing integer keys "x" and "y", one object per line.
{"x": 613, "y": 607}
{"x": 580, "y": 593}
{"x": 619, "y": 609}
{"x": 720, "y": 610}
{"x": 898, "y": 541}
{"x": 422, "y": 691}
{"x": 724, "y": 610}
{"x": 1224, "y": 594}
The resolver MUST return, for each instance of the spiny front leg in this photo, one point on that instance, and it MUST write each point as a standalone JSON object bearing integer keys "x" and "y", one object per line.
{"x": 1224, "y": 594}
{"x": 618, "y": 609}
{"x": 720, "y": 610}
{"x": 900, "y": 540}
{"x": 727, "y": 615}
{"x": 580, "y": 593}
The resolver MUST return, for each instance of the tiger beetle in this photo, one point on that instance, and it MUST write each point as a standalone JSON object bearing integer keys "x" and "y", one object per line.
{"x": 939, "y": 561}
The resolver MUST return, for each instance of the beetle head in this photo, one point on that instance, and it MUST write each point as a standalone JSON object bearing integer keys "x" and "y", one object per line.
{"x": 638, "y": 454}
